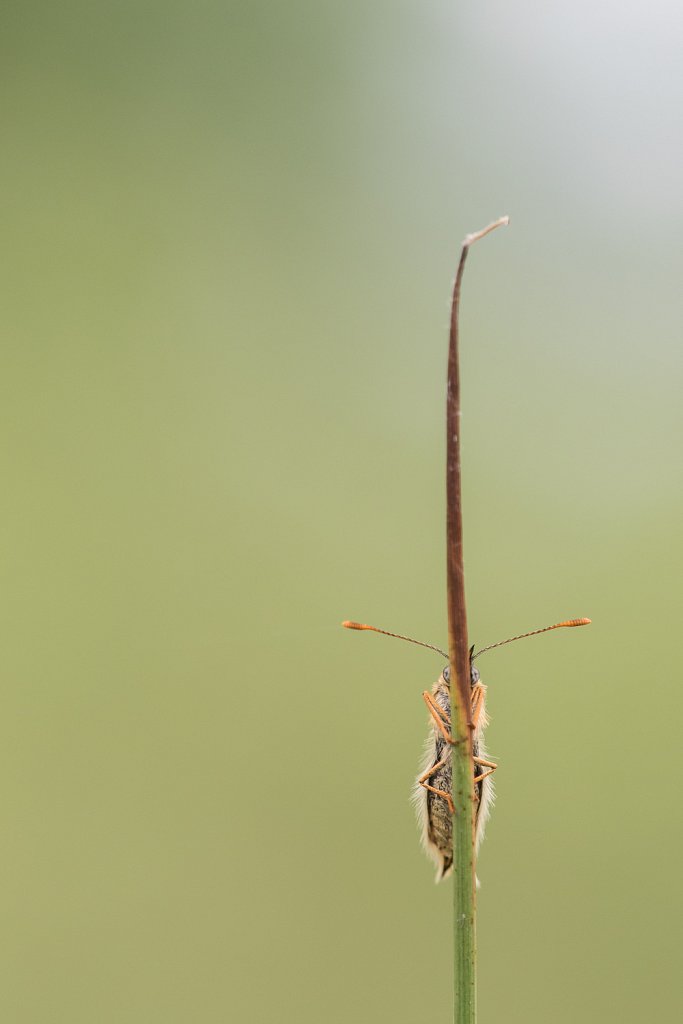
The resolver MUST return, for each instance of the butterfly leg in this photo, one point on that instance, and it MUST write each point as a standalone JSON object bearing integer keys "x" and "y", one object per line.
{"x": 478, "y": 701}
{"x": 485, "y": 763}
{"x": 441, "y": 719}
{"x": 484, "y": 775}
{"x": 432, "y": 789}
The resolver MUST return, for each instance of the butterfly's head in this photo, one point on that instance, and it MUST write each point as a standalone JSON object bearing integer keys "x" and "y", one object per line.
{"x": 474, "y": 675}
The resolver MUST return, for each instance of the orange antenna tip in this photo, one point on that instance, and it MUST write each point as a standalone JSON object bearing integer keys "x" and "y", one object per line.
{"x": 354, "y": 625}
{"x": 576, "y": 622}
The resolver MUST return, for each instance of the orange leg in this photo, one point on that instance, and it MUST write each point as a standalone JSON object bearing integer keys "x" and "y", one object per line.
{"x": 440, "y": 792}
{"x": 441, "y": 719}
{"x": 434, "y": 768}
{"x": 483, "y": 763}
{"x": 432, "y": 789}
{"x": 477, "y": 705}
{"x": 486, "y": 764}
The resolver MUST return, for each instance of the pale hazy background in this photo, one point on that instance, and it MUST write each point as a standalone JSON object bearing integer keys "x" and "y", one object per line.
{"x": 230, "y": 231}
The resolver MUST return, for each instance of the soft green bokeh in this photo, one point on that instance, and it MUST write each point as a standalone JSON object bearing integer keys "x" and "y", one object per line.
{"x": 229, "y": 234}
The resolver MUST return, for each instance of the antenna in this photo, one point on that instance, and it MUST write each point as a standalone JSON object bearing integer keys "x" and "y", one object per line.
{"x": 399, "y": 636}
{"x": 501, "y": 643}
{"x": 546, "y": 629}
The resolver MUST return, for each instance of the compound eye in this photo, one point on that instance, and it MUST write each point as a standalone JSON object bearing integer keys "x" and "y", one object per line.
{"x": 474, "y": 675}
{"x": 447, "y": 674}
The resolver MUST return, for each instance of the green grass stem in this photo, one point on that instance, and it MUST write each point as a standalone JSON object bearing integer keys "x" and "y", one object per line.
{"x": 464, "y": 890}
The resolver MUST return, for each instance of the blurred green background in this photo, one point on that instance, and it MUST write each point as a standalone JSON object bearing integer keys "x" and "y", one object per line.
{"x": 229, "y": 237}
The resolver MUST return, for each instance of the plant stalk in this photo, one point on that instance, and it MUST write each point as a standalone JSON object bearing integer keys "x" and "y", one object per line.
{"x": 464, "y": 882}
